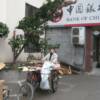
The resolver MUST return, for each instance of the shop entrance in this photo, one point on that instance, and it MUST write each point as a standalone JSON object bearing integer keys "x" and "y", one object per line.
{"x": 96, "y": 49}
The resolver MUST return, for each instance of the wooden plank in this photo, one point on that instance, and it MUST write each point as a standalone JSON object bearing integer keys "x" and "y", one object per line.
{"x": 2, "y": 82}
{"x": 2, "y": 65}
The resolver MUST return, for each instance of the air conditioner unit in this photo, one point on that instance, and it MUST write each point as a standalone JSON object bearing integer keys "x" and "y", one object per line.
{"x": 78, "y": 35}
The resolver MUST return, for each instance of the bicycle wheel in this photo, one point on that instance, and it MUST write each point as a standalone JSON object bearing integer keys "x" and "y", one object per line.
{"x": 54, "y": 82}
{"x": 26, "y": 92}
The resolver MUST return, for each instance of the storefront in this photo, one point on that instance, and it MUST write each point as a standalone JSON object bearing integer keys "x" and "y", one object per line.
{"x": 77, "y": 28}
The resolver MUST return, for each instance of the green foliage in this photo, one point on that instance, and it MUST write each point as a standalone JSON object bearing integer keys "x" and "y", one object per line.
{"x": 33, "y": 26}
{"x": 3, "y": 29}
{"x": 44, "y": 13}
{"x": 33, "y": 39}
{"x": 53, "y": 46}
{"x": 16, "y": 43}
{"x": 45, "y": 46}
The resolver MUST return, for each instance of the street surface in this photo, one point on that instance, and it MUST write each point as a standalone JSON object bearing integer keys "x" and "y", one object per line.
{"x": 78, "y": 87}
{"x": 74, "y": 87}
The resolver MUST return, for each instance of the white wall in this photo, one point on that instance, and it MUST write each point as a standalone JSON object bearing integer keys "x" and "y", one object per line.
{"x": 15, "y": 12}
{"x": 11, "y": 12}
{"x": 3, "y": 11}
{"x": 5, "y": 51}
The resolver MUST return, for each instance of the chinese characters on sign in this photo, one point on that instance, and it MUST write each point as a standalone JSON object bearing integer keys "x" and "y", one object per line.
{"x": 81, "y": 9}
{"x": 81, "y": 13}
{"x": 70, "y": 9}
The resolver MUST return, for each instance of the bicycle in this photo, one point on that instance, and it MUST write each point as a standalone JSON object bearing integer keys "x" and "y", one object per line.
{"x": 32, "y": 82}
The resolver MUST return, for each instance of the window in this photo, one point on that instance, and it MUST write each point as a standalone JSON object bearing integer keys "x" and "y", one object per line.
{"x": 30, "y": 10}
{"x": 31, "y": 46}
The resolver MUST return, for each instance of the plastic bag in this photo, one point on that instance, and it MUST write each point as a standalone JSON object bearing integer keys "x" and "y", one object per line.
{"x": 45, "y": 72}
{"x": 44, "y": 84}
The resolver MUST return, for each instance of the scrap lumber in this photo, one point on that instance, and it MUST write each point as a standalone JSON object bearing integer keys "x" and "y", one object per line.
{"x": 2, "y": 82}
{"x": 2, "y": 65}
{"x": 65, "y": 71}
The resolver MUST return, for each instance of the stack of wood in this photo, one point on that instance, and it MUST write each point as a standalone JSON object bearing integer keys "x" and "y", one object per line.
{"x": 2, "y": 65}
{"x": 67, "y": 70}
{"x": 2, "y": 82}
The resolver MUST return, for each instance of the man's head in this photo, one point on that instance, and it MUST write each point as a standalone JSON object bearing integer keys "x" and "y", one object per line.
{"x": 52, "y": 50}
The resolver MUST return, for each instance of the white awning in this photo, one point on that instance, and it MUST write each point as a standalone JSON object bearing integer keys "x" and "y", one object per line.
{"x": 39, "y": 3}
{"x": 35, "y": 3}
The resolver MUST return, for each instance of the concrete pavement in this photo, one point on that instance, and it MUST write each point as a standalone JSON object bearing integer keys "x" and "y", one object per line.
{"x": 74, "y": 87}
{"x": 80, "y": 87}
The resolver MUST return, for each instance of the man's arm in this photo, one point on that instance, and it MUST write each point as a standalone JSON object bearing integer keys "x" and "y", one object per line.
{"x": 55, "y": 58}
{"x": 46, "y": 57}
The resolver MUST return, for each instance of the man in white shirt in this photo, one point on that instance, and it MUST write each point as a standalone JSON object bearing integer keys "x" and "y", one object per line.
{"x": 50, "y": 62}
{"x": 52, "y": 57}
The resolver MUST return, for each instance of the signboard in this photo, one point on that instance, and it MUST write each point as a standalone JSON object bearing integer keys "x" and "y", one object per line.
{"x": 82, "y": 13}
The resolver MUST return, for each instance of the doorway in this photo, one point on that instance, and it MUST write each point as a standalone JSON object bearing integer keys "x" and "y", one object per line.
{"x": 96, "y": 49}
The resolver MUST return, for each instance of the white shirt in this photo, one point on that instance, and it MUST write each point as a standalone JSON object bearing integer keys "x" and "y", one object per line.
{"x": 54, "y": 58}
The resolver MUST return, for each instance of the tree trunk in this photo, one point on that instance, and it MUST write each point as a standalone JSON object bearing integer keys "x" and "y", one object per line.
{"x": 16, "y": 55}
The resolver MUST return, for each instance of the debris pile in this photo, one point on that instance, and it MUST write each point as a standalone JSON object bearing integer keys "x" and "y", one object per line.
{"x": 2, "y": 65}
{"x": 2, "y": 82}
{"x": 67, "y": 70}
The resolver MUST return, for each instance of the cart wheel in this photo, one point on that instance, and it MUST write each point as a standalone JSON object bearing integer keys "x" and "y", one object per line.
{"x": 26, "y": 92}
{"x": 6, "y": 93}
{"x": 54, "y": 82}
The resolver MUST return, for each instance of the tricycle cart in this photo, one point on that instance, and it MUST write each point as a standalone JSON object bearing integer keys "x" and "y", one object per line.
{"x": 32, "y": 82}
